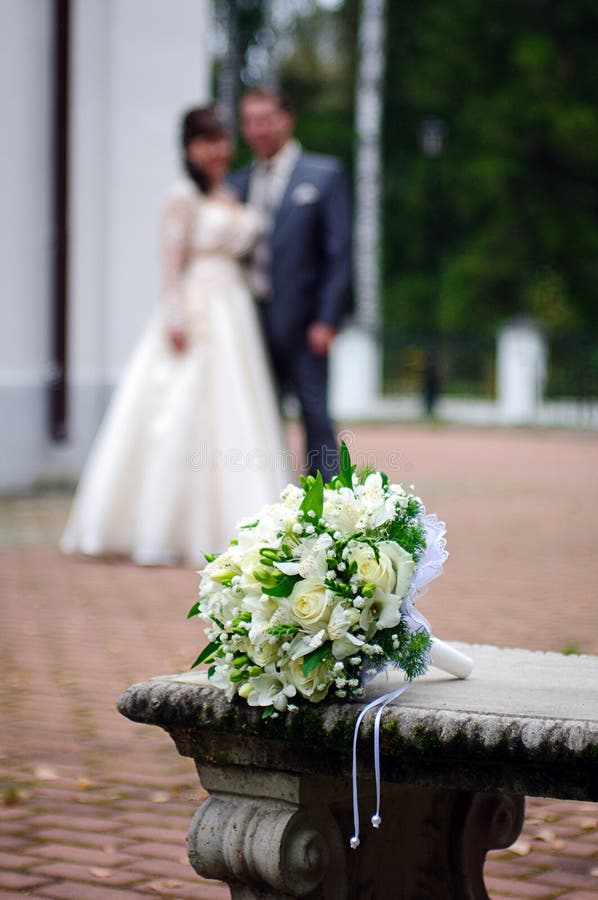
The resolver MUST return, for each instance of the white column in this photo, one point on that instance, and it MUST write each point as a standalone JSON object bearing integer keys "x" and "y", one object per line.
{"x": 25, "y": 173}
{"x": 356, "y": 359}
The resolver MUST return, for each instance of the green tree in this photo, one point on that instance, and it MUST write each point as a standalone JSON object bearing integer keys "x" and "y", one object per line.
{"x": 505, "y": 220}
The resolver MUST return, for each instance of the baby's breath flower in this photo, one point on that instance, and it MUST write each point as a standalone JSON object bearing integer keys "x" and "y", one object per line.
{"x": 297, "y": 529}
{"x": 311, "y": 513}
{"x": 355, "y": 660}
{"x": 309, "y": 529}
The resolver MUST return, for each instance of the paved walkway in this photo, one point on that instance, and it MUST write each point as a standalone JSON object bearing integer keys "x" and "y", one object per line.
{"x": 96, "y": 808}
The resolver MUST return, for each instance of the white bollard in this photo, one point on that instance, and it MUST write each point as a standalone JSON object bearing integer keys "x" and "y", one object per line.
{"x": 520, "y": 372}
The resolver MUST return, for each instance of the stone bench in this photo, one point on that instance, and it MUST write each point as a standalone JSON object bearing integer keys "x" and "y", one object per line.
{"x": 457, "y": 759}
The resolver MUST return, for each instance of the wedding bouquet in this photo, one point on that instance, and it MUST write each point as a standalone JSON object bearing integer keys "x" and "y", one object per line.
{"x": 316, "y": 594}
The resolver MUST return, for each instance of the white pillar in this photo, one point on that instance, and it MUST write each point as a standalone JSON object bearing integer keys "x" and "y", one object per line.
{"x": 521, "y": 372}
{"x": 356, "y": 366}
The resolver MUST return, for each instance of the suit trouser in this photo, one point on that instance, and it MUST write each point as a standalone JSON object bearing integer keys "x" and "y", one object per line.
{"x": 307, "y": 377}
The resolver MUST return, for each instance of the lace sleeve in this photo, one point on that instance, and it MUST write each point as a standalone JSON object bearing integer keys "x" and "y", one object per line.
{"x": 175, "y": 243}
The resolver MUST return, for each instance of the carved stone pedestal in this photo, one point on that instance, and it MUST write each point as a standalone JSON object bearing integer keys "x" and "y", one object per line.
{"x": 457, "y": 758}
{"x": 273, "y": 836}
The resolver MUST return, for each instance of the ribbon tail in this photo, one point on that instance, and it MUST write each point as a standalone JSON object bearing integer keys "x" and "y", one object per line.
{"x": 381, "y": 702}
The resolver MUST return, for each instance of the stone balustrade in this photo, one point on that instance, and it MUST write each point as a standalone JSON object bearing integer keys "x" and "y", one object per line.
{"x": 457, "y": 759}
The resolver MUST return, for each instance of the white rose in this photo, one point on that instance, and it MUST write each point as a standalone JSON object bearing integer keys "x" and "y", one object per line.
{"x": 379, "y": 572}
{"x": 313, "y": 686}
{"x": 262, "y": 654}
{"x": 310, "y": 604}
{"x": 402, "y": 563}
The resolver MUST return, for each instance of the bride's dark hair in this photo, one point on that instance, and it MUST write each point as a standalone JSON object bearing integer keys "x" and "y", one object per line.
{"x": 200, "y": 122}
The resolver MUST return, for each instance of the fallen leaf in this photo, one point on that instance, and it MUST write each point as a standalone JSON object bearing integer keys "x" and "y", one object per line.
{"x": 45, "y": 773}
{"x": 160, "y": 797}
{"x": 84, "y": 784}
{"x": 160, "y": 886}
{"x": 545, "y": 834}
{"x": 11, "y": 796}
{"x": 521, "y": 847}
{"x": 100, "y": 873}
{"x": 589, "y": 824}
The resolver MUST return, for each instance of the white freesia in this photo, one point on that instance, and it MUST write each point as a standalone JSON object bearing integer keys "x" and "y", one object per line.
{"x": 380, "y": 612}
{"x": 265, "y": 613}
{"x": 271, "y": 689}
{"x": 302, "y": 644}
{"x": 343, "y": 509}
{"x": 220, "y": 677}
{"x": 347, "y": 645}
{"x": 341, "y": 619}
{"x": 311, "y": 560}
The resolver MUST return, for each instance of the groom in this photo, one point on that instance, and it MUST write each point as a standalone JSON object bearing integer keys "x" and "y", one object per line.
{"x": 300, "y": 270}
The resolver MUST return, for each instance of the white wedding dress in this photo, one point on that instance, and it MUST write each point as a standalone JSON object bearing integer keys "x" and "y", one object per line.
{"x": 192, "y": 441}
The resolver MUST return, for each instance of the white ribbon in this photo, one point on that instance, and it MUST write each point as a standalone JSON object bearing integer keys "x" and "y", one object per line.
{"x": 381, "y": 702}
{"x": 442, "y": 656}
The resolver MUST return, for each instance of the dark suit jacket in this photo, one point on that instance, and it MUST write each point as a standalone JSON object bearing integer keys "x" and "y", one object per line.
{"x": 311, "y": 249}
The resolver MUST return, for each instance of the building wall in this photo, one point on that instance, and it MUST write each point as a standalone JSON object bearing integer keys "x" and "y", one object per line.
{"x": 135, "y": 66}
{"x": 25, "y": 238}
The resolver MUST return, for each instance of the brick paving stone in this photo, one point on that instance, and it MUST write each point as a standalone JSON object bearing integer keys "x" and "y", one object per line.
{"x": 579, "y": 895}
{"x": 569, "y": 880}
{"x": 20, "y": 881}
{"x": 75, "y": 632}
{"x": 85, "y": 855}
{"x": 71, "y": 890}
{"x": 65, "y": 871}
{"x": 522, "y": 890}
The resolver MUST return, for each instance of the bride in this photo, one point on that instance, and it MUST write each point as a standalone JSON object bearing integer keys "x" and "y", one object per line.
{"x": 192, "y": 438}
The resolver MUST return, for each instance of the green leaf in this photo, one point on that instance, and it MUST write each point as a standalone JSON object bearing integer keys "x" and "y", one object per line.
{"x": 313, "y": 659}
{"x": 314, "y": 498}
{"x": 346, "y": 473}
{"x": 210, "y": 557}
{"x": 284, "y": 586}
{"x": 207, "y": 654}
{"x": 194, "y": 611}
{"x": 267, "y": 712}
